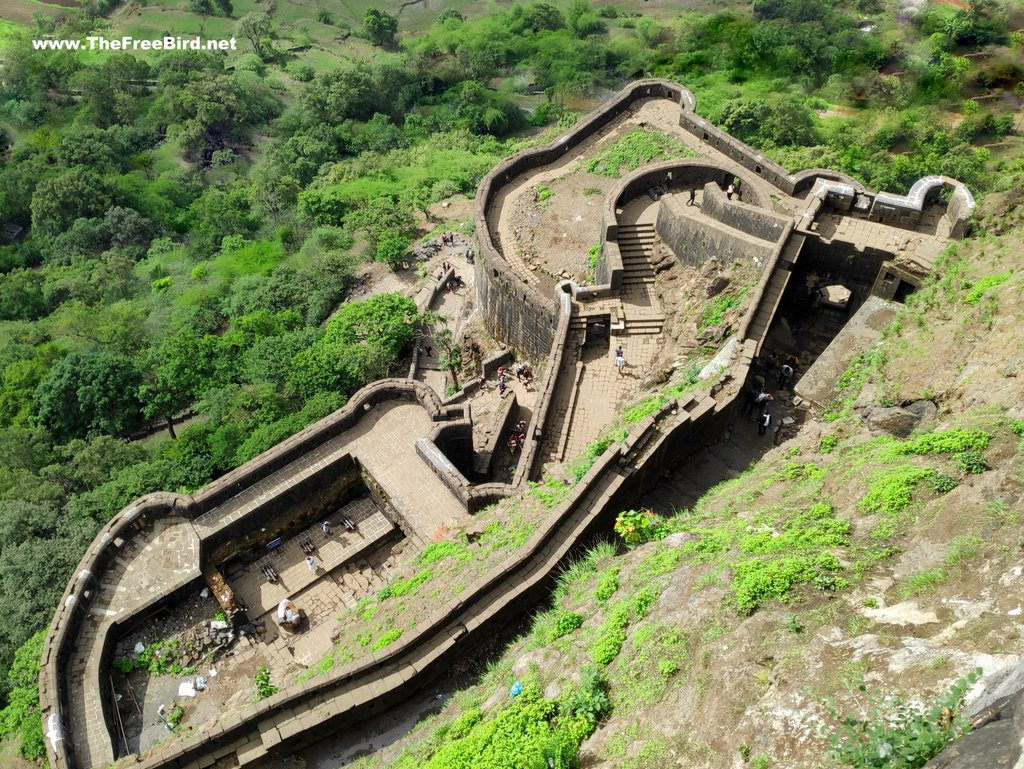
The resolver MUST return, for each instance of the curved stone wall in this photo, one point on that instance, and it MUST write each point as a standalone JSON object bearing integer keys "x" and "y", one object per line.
{"x": 523, "y": 318}
{"x": 515, "y": 312}
{"x": 67, "y": 626}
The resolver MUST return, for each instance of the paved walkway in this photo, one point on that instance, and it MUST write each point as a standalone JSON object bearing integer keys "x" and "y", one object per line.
{"x": 922, "y": 247}
{"x": 453, "y": 306}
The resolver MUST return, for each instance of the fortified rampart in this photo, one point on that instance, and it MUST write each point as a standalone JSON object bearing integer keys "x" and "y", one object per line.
{"x": 77, "y": 652}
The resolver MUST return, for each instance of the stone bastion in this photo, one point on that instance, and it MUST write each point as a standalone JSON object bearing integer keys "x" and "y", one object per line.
{"x": 124, "y": 576}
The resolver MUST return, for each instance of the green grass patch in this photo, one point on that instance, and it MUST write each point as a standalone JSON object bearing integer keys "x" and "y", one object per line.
{"x": 891, "y": 490}
{"x": 404, "y": 586}
{"x": 715, "y": 313}
{"x": 634, "y": 150}
{"x": 645, "y": 408}
{"x": 756, "y": 582}
{"x": 851, "y": 382}
{"x": 388, "y": 637}
{"x": 525, "y": 733}
{"x": 655, "y": 654}
{"x": 945, "y": 442}
{"x": 607, "y": 584}
{"x": 582, "y": 464}
{"x": 611, "y": 635}
{"x": 437, "y": 551}
{"x": 552, "y": 625}
{"x": 979, "y": 288}
{"x": 550, "y": 492}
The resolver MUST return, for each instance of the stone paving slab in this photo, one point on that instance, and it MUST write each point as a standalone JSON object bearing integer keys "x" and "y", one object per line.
{"x": 921, "y": 247}
{"x": 289, "y": 560}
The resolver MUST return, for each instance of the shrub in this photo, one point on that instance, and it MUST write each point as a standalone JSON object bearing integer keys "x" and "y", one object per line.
{"x": 899, "y": 735}
{"x": 262, "y": 686}
{"x": 828, "y": 444}
{"x": 643, "y": 600}
{"x": 636, "y": 526}
{"x": 972, "y": 462}
{"x": 607, "y": 584}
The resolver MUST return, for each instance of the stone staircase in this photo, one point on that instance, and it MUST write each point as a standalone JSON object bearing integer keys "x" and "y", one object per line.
{"x": 775, "y": 289}
{"x": 636, "y": 244}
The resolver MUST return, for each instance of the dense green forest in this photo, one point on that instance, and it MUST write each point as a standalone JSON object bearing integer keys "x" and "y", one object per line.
{"x": 190, "y": 224}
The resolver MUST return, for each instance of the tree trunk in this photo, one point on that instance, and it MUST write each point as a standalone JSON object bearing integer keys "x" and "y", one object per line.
{"x": 170, "y": 427}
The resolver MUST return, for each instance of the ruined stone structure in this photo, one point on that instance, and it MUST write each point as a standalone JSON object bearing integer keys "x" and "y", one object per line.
{"x": 411, "y": 453}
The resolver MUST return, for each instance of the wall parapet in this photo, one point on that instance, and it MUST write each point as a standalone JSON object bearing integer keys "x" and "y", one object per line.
{"x": 73, "y": 610}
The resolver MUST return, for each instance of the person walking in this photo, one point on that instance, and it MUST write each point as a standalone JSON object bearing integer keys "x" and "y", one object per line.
{"x": 730, "y": 191}
{"x": 693, "y": 197}
{"x": 785, "y": 375}
{"x": 620, "y": 360}
{"x": 311, "y": 564}
{"x": 764, "y": 422}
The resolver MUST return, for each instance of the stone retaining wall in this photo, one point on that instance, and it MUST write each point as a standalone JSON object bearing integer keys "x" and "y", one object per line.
{"x": 73, "y": 611}
{"x": 760, "y": 223}
{"x": 696, "y": 240}
{"x": 280, "y": 725}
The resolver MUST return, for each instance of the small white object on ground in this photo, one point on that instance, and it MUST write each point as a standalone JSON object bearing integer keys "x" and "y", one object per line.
{"x": 186, "y": 689}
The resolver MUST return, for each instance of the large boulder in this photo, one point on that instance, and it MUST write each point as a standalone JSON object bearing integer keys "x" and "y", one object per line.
{"x": 893, "y": 420}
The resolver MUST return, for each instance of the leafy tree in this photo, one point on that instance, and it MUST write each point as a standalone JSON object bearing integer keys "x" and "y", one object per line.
{"x": 90, "y": 393}
{"x": 59, "y": 200}
{"x": 21, "y": 295}
{"x": 21, "y": 716}
{"x": 380, "y": 26}
{"x": 388, "y": 224}
{"x": 766, "y": 122}
{"x": 179, "y": 371}
{"x": 255, "y": 27}
{"x": 84, "y": 465}
{"x": 362, "y": 340}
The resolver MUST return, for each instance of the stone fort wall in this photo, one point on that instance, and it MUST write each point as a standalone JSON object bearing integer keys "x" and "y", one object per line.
{"x": 523, "y": 318}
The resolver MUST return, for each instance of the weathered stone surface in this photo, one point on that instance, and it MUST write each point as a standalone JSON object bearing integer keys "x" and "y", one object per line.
{"x": 994, "y": 742}
{"x": 893, "y": 420}
{"x": 925, "y": 411}
{"x": 718, "y": 285}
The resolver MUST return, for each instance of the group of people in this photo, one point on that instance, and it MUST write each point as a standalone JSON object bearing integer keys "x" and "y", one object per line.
{"x": 517, "y": 436}
{"x": 448, "y": 239}
{"x": 757, "y": 398}
{"x": 522, "y": 371}
{"x": 733, "y": 188}
{"x": 786, "y": 373}
{"x": 620, "y": 360}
